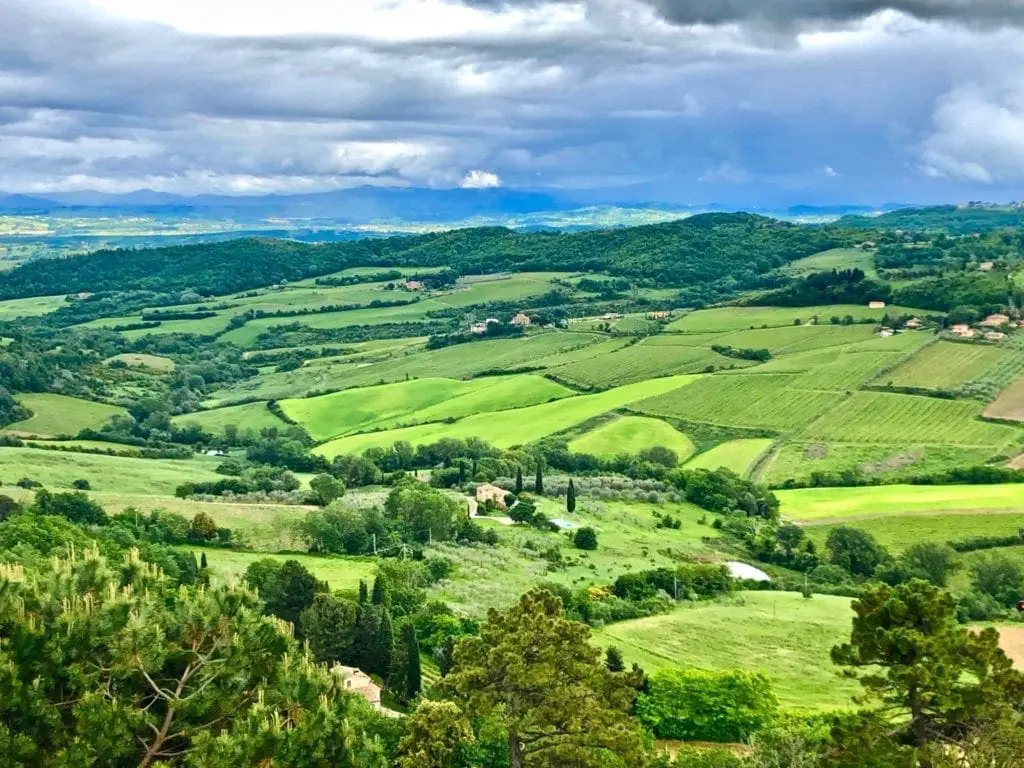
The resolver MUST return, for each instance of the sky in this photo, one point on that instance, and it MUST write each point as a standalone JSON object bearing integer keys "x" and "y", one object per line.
{"x": 748, "y": 102}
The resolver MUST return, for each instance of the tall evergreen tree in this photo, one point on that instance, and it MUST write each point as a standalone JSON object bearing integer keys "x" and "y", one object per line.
{"x": 202, "y": 562}
{"x": 380, "y": 592}
{"x": 462, "y": 471}
{"x": 519, "y": 480}
{"x": 384, "y": 646}
{"x": 413, "y": 673}
{"x": 364, "y": 595}
{"x": 538, "y": 481}
{"x": 570, "y": 498}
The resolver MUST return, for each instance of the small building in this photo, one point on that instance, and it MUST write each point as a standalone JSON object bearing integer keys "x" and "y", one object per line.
{"x": 876, "y": 305}
{"x": 357, "y": 681}
{"x": 994, "y": 321}
{"x": 523, "y": 321}
{"x": 987, "y": 266}
{"x": 413, "y": 285}
{"x": 913, "y": 323}
{"x": 962, "y": 330}
{"x": 478, "y": 328}
{"x": 610, "y": 316}
{"x": 491, "y": 493}
{"x": 885, "y": 332}
{"x": 659, "y": 314}
{"x": 994, "y": 335}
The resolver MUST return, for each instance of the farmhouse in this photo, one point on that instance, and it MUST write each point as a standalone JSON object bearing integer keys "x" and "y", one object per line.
{"x": 492, "y": 493}
{"x": 523, "y": 321}
{"x": 876, "y": 305}
{"x": 885, "y": 332}
{"x": 413, "y": 285}
{"x": 610, "y": 316}
{"x": 993, "y": 321}
{"x": 357, "y": 681}
{"x": 658, "y": 315}
{"x": 994, "y": 336}
{"x": 914, "y": 323}
{"x": 987, "y": 266}
{"x": 962, "y": 330}
{"x": 479, "y": 328}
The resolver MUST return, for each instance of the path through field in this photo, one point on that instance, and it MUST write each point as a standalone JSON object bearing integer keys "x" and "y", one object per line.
{"x": 1011, "y": 640}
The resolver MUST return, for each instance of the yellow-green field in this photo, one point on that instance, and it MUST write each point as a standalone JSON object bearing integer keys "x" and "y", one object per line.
{"x": 254, "y": 416}
{"x": 737, "y": 455}
{"x": 834, "y": 504}
{"x": 54, "y": 415}
{"x": 946, "y": 365}
{"x": 41, "y": 305}
{"x": 739, "y": 318}
{"x": 340, "y": 573}
{"x": 152, "y": 362}
{"x": 632, "y": 434}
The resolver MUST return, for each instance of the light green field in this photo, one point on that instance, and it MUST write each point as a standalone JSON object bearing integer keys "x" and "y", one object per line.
{"x": 520, "y": 426}
{"x": 120, "y": 474}
{"x": 740, "y": 318}
{"x": 340, "y": 573}
{"x": 901, "y": 531}
{"x": 54, "y": 415}
{"x": 254, "y": 416}
{"x": 632, "y": 434}
{"x": 766, "y": 401}
{"x": 837, "y": 258}
{"x": 33, "y": 307}
{"x": 782, "y": 634}
{"x": 848, "y": 371}
{"x": 737, "y": 455}
{"x": 639, "y": 362}
{"x": 883, "y": 417}
{"x": 946, "y": 365}
{"x": 153, "y": 362}
{"x": 417, "y": 401}
{"x": 454, "y": 362}
{"x": 836, "y": 504}
{"x": 796, "y": 461}
{"x": 796, "y": 338}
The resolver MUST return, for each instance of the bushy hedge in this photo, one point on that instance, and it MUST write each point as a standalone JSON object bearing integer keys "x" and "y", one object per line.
{"x": 690, "y": 580}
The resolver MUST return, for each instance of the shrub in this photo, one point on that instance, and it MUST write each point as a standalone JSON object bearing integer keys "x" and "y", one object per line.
{"x": 28, "y": 482}
{"x": 585, "y": 538}
{"x": 81, "y": 485}
{"x": 698, "y": 705}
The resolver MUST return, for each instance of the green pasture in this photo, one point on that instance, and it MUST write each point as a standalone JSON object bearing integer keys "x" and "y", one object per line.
{"x": 61, "y": 415}
{"x": 632, "y": 434}
{"x": 797, "y": 460}
{"x": 32, "y": 307}
{"x": 519, "y": 426}
{"x": 796, "y": 338}
{"x": 119, "y": 474}
{"x": 340, "y": 573}
{"x": 782, "y": 634}
{"x": 946, "y": 365}
{"x": 250, "y": 416}
{"x": 768, "y": 401}
{"x": 737, "y": 455}
{"x": 837, "y": 258}
{"x": 417, "y": 401}
{"x": 898, "y": 532}
{"x": 152, "y": 362}
{"x": 883, "y": 417}
{"x": 741, "y": 318}
{"x": 820, "y": 505}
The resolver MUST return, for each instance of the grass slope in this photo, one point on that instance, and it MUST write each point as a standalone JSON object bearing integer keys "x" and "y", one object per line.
{"x": 737, "y": 455}
{"x": 740, "y": 318}
{"x": 632, "y": 434}
{"x": 340, "y": 573}
{"x": 514, "y": 427}
{"x": 781, "y": 634}
{"x": 946, "y": 365}
{"x": 832, "y": 504}
{"x": 153, "y": 362}
{"x": 41, "y": 305}
{"x": 61, "y": 415}
{"x": 254, "y": 416}
{"x": 901, "y": 531}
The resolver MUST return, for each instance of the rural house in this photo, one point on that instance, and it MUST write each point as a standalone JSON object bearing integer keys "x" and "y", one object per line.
{"x": 962, "y": 330}
{"x": 491, "y": 493}
{"x": 413, "y": 285}
{"x": 994, "y": 321}
{"x": 994, "y": 336}
{"x": 523, "y": 321}
{"x": 987, "y": 266}
{"x": 914, "y": 323}
{"x": 885, "y": 332}
{"x": 610, "y": 316}
{"x": 357, "y": 681}
{"x": 876, "y": 305}
{"x": 658, "y": 315}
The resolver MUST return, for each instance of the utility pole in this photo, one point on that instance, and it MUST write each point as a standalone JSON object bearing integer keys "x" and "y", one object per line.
{"x": 374, "y": 544}
{"x": 675, "y": 587}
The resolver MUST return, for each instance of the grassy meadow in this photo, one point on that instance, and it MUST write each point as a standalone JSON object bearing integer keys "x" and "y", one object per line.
{"x": 152, "y": 362}
{"x": 897, "y": 532}
{"x": 54, "y": 415}
{"x": 843, "y": 504}
{"x": 33, "y": 307}
{"x": 254, "y": 416}
{"x": 632, "y": 434}
{"x": 340, "y": 573}
{"x": 737, "y": 455}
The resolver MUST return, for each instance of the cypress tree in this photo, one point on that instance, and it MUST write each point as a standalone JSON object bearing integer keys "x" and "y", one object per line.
{"x": 462, "y": 471}
{"x": 364, "y": 595}
{"x": 413, "y": 673}
{"x": 385, "y": 645}
{"x": 570, "y": 498}
{"x": 519, "y": 480}
{"x": 202, "y": 562}
{"x": 474, "y": 468}
{"x": 380, "y": 592}
{"x": 538, "y": 481}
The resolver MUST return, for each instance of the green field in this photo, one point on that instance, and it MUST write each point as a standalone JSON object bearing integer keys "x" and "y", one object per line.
{"x": 737, "y": 455}
{"x": 41, "y": 305}
{"x": 781, "y": 634}
{"x": 153, "y": 362}
{"x": 417, "y": 401}
{"x": 54, "y": 415}
{"x": 843, "y": 504}
{"x": 632, "y": 434}
{"x": 767, "y": 401}
{"x": 340, "y": 573}
{"x": 740, "y": 318}
{"x": 883, "y": 417}
{"x": 120, "y": 474}
{"x": 837, "y": 258}
{"x": 520, "y": 426}
{"x": 254, "y": 416}
{"x": 901, "y": 531}
{"x": 946, "y": 365}
{"x": 798, "y": 460}
{"x": 794, "y": 338}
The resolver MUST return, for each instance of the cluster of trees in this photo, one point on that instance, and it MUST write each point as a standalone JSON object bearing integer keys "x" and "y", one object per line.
{"x": 839, "y": 286}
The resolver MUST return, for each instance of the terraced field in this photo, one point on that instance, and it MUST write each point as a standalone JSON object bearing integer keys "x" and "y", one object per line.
{"x": 514, "y": 427}
{"x": 767, "y": 401}
{"x": 54, "y": 415}
{"x": 254, "y": 416}
{"x": 632, "y": 434}
{"x": 741, "y": 318}
{"x": 882, "y": 417}
{"x": 737, "y": 455}
{"x": 415, "y": 402}
{"x": 947, "y": 365}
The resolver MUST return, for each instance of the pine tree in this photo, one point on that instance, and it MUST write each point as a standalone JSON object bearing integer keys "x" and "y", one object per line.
{"x": 413, "y": 673}
{"x": 570, "y": 498}
{"x": 380, "y": 592}
{"x": 613, "y": 659}
{"x": 519, "y": 480}
{"x": 538, "y": 481}
{"x": 364, "y": 595}
{"x": 462, "y": 471}
{"x": 202, "y": 562}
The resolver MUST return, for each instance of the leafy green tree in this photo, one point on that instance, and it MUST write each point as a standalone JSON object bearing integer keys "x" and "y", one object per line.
{"x": 202, "y": 528}
{"x": 585, "y": 538}
{"x": 162, "y": 676}
{"x": 538, "y": 481}
{"x": 855, "y": 551}
{"x": 932, "y": 676}
{"x": 424, "y": 513}
{"x": 287, "y": 588}
{"x": 559, "y": 704}
{"x": 570, "y": 498}
{"x": 999, "y": 577}
{"x": 613, "y": 659}
{"x": 436, "y": 737}
{"x": 413, "y": 671}
{"x": 326, "y": 489}
{"x": 328, "y": 626}
{"x": 76, "y": 507}
{"x": 931, "y": 561}
{"x": 701, "y": 705}
{"x": 381, "y": 595}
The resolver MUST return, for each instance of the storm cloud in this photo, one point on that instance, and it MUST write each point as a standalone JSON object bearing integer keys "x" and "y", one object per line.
{"x": 616, "y": 99}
